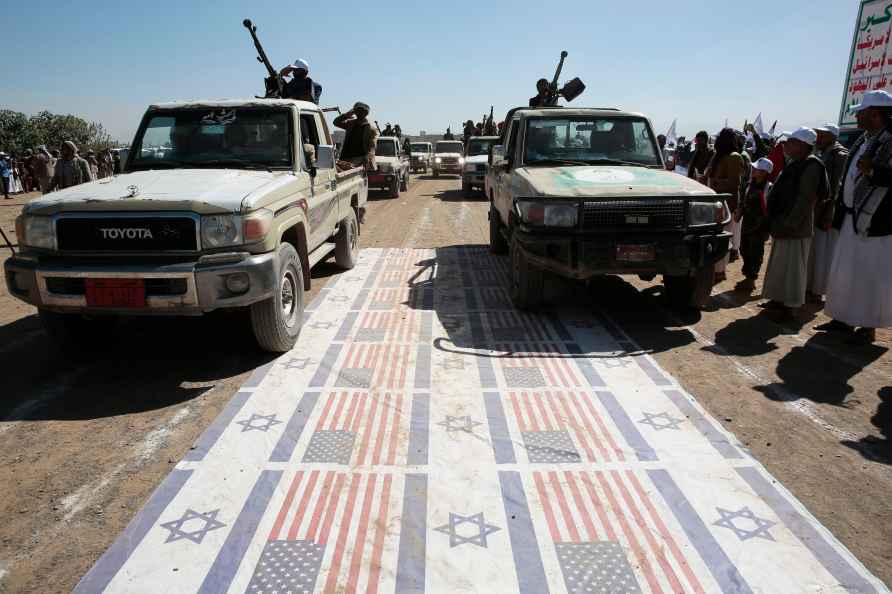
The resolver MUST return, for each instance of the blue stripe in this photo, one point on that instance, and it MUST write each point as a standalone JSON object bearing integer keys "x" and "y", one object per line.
{"x": 410, "y": 565}
{"x": 835, "y": 564}
{"x": 651, "y": 370}
{"x": 360, "y": 300}
{"x": 423, "y": 367}
{"x": 326, "y": 366}
{"x": 295, "y": 428}
{"x": 318, "y": 300}
{"x": 502, "y": 446}
{"x": 108, "y": 565}
{"x": 210, "y": 436}
{"x": 470, "y": 299}
{"x": 240, "y": 536}
{"x": 586, "y": 368}
{"x": 258, "y": 375}
{"x": 419, "y": 430}
{"x": 346, "y": 326}
{"x": 559, "y": 327}
{"x": 376, "y": 268}
{"x": 524, "y": 546}
{"x": 720, "y": 566}
{"x": 715, "y": 437}
{"x": 626, "y": 427}
{"x": 427, "y": 326}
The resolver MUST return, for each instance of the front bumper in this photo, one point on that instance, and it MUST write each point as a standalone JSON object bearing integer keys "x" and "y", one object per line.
{"x": 56, "y": 284}
{"x": 474, "y": 178}
{"x": 381, "y": 180}
{"x": 451, "y": 168}
{"x": 586, "y": 256}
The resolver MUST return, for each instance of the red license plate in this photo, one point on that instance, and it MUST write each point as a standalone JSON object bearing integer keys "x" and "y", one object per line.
{"x": 635, "y": 253}
{"x": 115, "y": 292}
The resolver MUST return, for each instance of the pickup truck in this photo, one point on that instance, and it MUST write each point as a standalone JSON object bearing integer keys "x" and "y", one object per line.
{"x": 448, "y": 157}
{"x": 422, "y": 156}
{"x": 584, "y": 192}
{"x": 222, "y": 204}
{"x": 392, "y": 173}
{"x": 476, "y": 157}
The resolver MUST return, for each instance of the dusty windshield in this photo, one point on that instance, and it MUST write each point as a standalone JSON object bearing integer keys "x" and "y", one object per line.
{"x": 450, "y": 147}
{"x": 420, "y": 148}
{"x": 590, "y": 140}
{"x": 230, "y": 137}
{"x": 480, "y": 146}
{"x": 385, "y": 148}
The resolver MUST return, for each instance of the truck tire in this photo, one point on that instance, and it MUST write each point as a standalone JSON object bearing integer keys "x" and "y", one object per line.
{"x": 497, "y": 242}
{"x": 347, "y": 242}
{"x": 395, "y": 187}
{"x": 72, "y": 333}
{"x": 465, "y": 187}
{"x": 690, "y": 291}
{"x": 527, "y": 281}
{"x": 436, "y": 172}
{"x": 404, "y": 182}
{"x": 277, "y": 321}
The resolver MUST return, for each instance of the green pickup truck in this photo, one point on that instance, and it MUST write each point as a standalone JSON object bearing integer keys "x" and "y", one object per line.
{"x": 583, "y": 192}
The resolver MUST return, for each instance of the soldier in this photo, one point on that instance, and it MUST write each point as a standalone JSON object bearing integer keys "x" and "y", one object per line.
{"x": 94, "y": 164}
{"x": 388, "y": 130}
{"x": 449, "y": 135}
{"x": 70, "y": 170}
{"x": 44, "y": 168}
{"x": 301, "y": 87}
{"x": 468, "y": 130}
{"x": 397, "y": 131}
{"x": 541, "y": 98}
{"x": 360, "y": 137}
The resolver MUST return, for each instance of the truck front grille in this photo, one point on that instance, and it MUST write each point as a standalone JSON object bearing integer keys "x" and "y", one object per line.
{"x": 634, "y": 214}
{"x": 127, "y": 234}
{"x": 154, "y": 286}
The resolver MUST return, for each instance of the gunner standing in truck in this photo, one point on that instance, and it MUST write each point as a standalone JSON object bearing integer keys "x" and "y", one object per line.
{"x": 301, "y": 86}
{"x": 541, "y": 98}
{"x": 360, "y": 137}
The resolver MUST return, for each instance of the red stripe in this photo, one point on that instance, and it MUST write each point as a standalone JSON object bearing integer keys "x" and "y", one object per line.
{"x": 520, "y": 422}
{"x": 551, "y": 368}
{"x": 545, "y": 419}
{"x": 335, "y": 568}
{"x": 599, "y": 507}
{"x": 580, "y": 435}
{"x": 286, "y": 505}
{"x": 666, "y": 535}
{"x": 404, "y": 367}
{"x": 546, "y": 508}
{"x": 348, "y": 422}
{"x": 337, "y": 414}
{"x": 302, "y": 506}
{"x": 584, "y": 397}
{"x": 321, "y": 424}
{"x": 589, "y": 429}
{"x": 359, "y": 414}
{"x": 395, "y": 430}
{"x": 332, "y": 508}
{"x": 364, "y": 448}
{"x": 359, "y": 543}
{"x": 380, "y": 531}
{"x": 382, "y": 426}
{"x": 562, "y": 505}
{"x": 532, "y": 417}
{"x": 371, "y": 356}
{"x": 320, "y": 506}
{"x": 580, "y": 506}
{"x": 630, "y": 535}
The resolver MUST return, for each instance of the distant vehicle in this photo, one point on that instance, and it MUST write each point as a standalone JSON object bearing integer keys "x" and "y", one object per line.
{"x": 233, "y": 215}
{"x": 422, "y": 156}
{"x": 476, "y": 157}
{"x": 584, "y": 192}
{"x": 392, "y": 173}
{"x": 448, "y": 157}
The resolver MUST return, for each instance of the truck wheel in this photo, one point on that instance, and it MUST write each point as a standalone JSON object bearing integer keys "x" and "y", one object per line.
{"x": 465, "y": 187}
{"x": 527, "y": 281}
{"x": 73, "y": 332}
{"x": 404, "y": 183}
{"x": 690, "y": 291}
{"x": 395, "y": 188}
{"x": 436, "y": 172}
{"x": 347, "y": 242}
{"x": 277, "y": 321}
{"x": 497, "y": 242}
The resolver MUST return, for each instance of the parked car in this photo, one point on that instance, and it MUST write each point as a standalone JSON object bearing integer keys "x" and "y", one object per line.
{"x": 476, "y": 157}
{"x": 234, "y": 215}
{"x": 392, "y": 173}
{"x": 448, "y": 157}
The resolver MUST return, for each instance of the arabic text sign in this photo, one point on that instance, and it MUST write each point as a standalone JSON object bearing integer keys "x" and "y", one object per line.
{"x": 870, "y": 66}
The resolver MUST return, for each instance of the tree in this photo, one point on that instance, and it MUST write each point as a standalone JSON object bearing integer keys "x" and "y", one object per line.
{"x": 19, "y": 132}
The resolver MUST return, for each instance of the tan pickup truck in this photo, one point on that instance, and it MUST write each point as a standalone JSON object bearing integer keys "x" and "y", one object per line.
{"x": 223, "y": 204}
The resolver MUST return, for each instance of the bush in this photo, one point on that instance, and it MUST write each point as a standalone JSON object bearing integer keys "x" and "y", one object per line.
{"x": 19, "y": 132}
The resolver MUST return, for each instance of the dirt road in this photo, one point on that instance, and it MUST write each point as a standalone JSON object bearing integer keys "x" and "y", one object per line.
{"x": 85, "y": 439}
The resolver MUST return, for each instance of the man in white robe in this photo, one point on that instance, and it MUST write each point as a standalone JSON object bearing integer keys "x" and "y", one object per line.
{"x": 834, "y": 156}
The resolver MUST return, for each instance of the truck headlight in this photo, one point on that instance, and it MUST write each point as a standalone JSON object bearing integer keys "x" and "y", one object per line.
{"x": 438, "y": 160}
{"x": 36, "y": 231}
{"x": 221, "y": 231}
{"x": 384, "y": 167}
{"x": 470, "y": 167}
{"x": 548, "y": 215}
{"x": 461, "y": 160}
{"x": 707, "y": 213}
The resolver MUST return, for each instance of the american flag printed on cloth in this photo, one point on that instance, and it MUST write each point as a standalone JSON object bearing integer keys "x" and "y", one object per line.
{"x": 560, "y": 426}
{"x": 400, "y": 299}
{"x": 514, "y": 326}
{"x": 379, "y": 326}
{"x": 328, "y": 535}
{"x": 370, "y": 366}
{"x": 608, "y": 535}
{"x": 359, "y": 428}
{"x": 537, "y": 366}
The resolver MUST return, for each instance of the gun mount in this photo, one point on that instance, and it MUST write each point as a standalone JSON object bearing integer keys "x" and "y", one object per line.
{"x": 274, "y": 83}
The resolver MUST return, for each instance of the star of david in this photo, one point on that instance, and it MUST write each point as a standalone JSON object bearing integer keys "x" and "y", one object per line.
{"x": 761, "y": 525}
{"x": 352, "y": 279}
{"x": 614, "y": 362}
{"x": 456, "y": 539}
{"x": 322, "y": 325}
{"x": 298, "y": 363}
{"x": 464, "y": 423}
{"x": 340, "y": 299}
{"x": 453, "y": 363}
{"x": 661, "y": 421}
{"x": 267, "y": 422}
{"x": 178, "y": 533}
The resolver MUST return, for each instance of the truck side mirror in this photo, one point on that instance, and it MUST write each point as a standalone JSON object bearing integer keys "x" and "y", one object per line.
{"x": 497, "y": 154}
{"x": 325, "y": 156}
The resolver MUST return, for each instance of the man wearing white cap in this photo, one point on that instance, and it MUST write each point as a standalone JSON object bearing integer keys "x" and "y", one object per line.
{"x": 301, "y": 86}
{"x": 834, "y": 155}
{"x": 753, "y": 210}
{"x": 859, "y": 290}
{"x": 791, "y": 210}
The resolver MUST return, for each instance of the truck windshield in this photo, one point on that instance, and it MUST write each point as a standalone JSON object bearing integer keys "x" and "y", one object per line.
{"x": 243, "y": 138}
{"x": 450, "y": 147}
{"x": 480, "y": 146}
{"x": 590, "y": 140}
{"x": 385, "y": 148}
{"x": 420, "y": 148}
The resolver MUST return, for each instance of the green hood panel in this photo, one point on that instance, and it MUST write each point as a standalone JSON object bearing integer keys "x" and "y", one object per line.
{"x": 603, "y": 181}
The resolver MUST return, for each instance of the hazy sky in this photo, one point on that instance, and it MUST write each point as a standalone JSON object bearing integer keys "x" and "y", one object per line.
{"x": 427, "y": 65}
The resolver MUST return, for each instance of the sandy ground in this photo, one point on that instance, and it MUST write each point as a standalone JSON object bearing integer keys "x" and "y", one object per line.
{"x": 85, "y": 438}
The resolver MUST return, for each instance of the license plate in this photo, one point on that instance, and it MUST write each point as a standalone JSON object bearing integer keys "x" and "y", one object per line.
{"x": 115, "y": 292}
{"x": 635, "y": 253}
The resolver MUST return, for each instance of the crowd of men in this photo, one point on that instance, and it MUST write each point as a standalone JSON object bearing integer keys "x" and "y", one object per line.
{"x": 45, "y": 170}
{"x": 824, "y": 208}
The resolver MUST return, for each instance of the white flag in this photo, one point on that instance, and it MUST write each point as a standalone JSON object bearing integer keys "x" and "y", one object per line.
{"x": 726, "y": 122}
{"x": 760, "y": 130}
{"x": 671, "y": 138}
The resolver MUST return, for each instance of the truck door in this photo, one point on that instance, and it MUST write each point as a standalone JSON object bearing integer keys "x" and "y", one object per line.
{"x": 502, "y": 191}
{"x": 323, "y": 206}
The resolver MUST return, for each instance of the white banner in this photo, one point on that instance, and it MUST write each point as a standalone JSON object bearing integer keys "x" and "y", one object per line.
{"x": 870, "y": 63}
